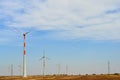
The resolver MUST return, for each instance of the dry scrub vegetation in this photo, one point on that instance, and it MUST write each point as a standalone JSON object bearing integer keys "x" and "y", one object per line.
{"x": 74, "y": 77}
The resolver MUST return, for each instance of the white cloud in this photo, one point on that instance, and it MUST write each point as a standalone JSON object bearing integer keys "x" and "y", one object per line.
{"x": 66, "y": 16}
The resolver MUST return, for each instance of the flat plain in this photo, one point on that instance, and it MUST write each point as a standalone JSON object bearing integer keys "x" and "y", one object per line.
{"x": 69, "y": 77}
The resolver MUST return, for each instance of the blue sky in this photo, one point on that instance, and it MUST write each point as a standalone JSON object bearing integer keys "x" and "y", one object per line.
{"x": 83, "y": 34}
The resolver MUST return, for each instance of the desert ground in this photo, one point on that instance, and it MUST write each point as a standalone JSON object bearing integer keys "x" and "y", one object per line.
{"x": 64, "y": 77}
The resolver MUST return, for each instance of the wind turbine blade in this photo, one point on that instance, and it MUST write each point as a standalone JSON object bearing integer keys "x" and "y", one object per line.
{"x": 17, "y": 30}
{"x": 27, "y": 32}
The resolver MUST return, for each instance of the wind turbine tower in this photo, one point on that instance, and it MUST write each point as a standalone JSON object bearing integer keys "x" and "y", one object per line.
{"x": 11, "y": 69}
{"x": 108, "y": 67}
{"x": 24, "y": 55}
{"x": 20, "y": 69}
{"x": 44, "y": 62}
{"x": 66, "y": 69}
{"x": 59, "y": 68}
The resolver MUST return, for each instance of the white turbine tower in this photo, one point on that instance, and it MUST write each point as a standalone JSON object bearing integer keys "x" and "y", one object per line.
{"x": 108, "y": 67}
{"x": 20, "y": 69}
{"x": 59, "y": 69}
{"x": 66, "y": 69}
{"x": 11, "y": 69}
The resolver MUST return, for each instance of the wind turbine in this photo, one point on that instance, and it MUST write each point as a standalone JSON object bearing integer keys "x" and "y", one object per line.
{"x": 20, "y": 69}
{"x": 11, "y": 69}
{"x": 24, "y": 51}
{"x": 44, "y": 62}
{"x": 108, "y": 67}
{"x": 24, "y": 55}
{"x": 59, "y": 68}
{"x": 66, "y": 69}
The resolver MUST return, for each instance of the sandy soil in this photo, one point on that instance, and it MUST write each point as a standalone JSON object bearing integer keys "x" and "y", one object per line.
{"x": 85, "y": 77}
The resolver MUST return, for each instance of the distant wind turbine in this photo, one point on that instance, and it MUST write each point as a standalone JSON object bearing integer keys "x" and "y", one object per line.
{"x": 11, "y": 69}
{"x": 59, "y": 68}
{"x": 66, "y": 69}
{"x": 44, "y": 62}
{"x": 108, "y": 67}
{"x": 20, "y": 68}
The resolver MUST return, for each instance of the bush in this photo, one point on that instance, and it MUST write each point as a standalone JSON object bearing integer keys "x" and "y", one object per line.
{"x": 93, "y": 74}
{"x": 116, "y": 73}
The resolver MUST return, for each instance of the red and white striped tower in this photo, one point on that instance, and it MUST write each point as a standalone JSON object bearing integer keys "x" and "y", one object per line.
{"x": 24, "y": 51}
{"x": 24, "y": 56}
